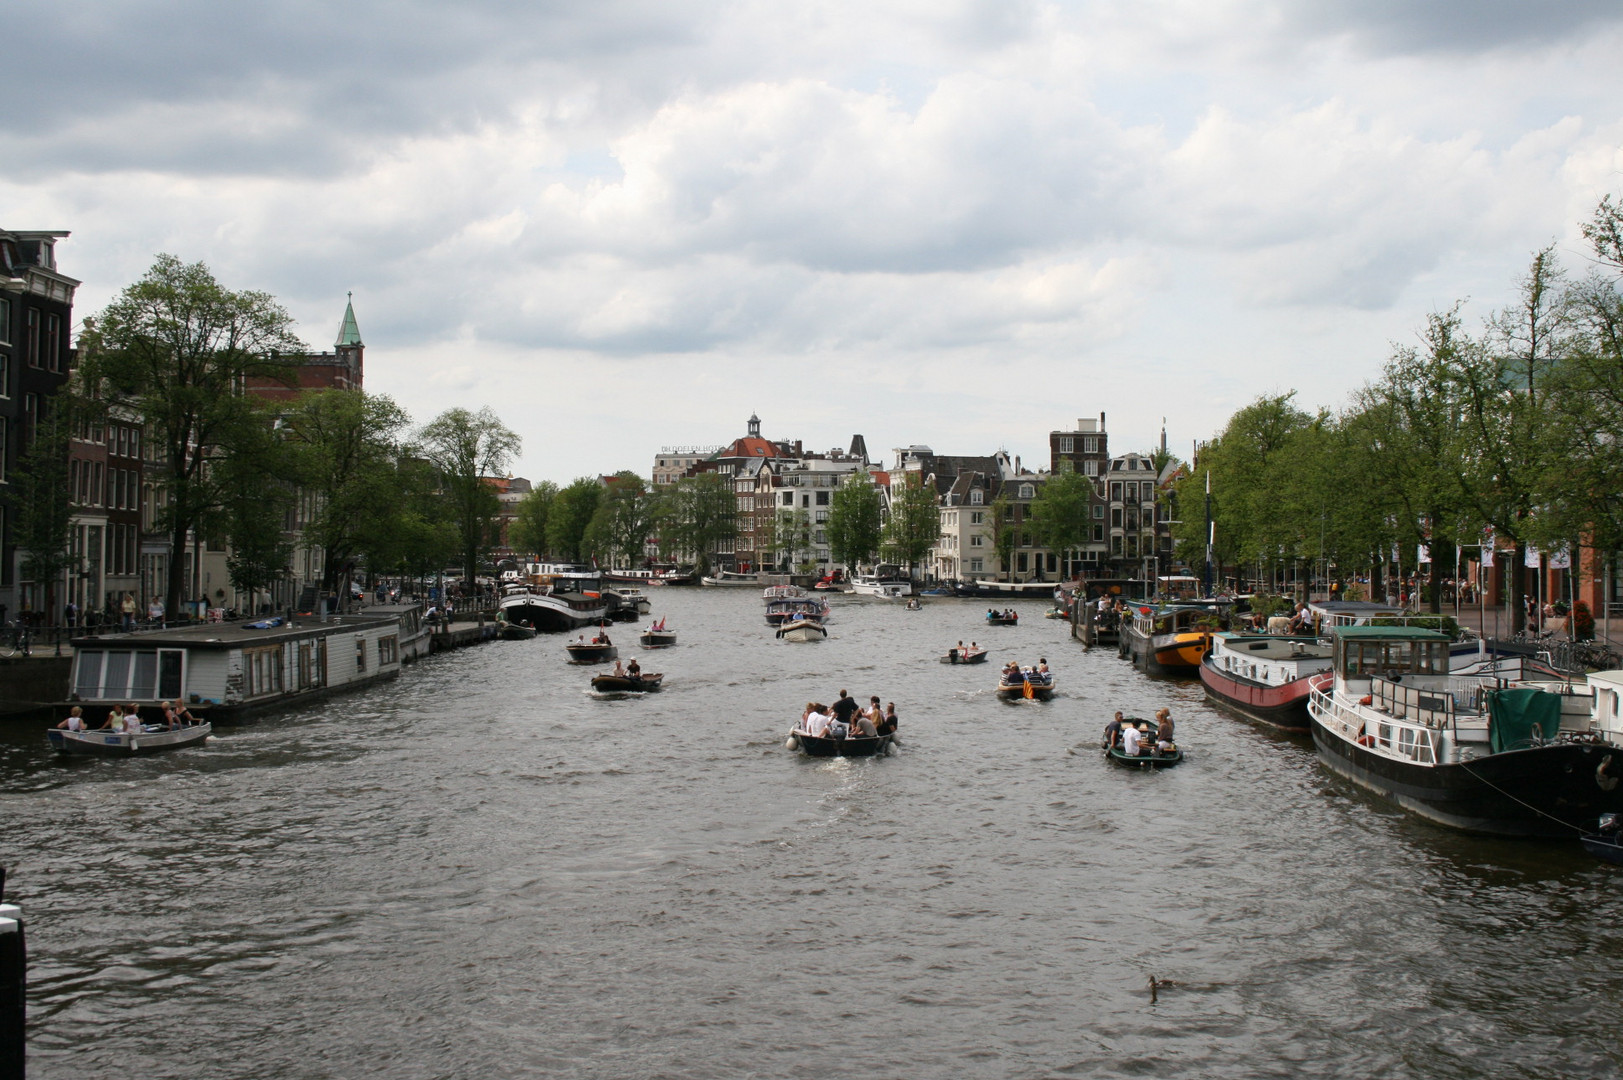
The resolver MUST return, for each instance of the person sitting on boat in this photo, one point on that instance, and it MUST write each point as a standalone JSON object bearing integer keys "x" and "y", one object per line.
{"x": 1163, "y": 728}
{"x": 619, "y": 670}
{"x": 1131, "y": 740}
{"x": 1113, "y": 731}
{"x": 184, "y": 717}
{"x": 167, "y": 711}
{"x": 75, "y": 720}
{"x": 633, "y": 669}
{"x": 887, "y": 723}
{"x": 1042, "y": 666}
{"x": 817, "y": 722}
{"x": 863, "y": 727}
{"x": 1011, "y": 672}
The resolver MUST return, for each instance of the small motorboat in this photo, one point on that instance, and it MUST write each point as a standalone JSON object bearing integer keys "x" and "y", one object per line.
{"x": 1002, "y": 618}
{"x": 657, "y": 638}
{"x": 1148, "y": 757}
{"x": 803, "y": 630}
{"x": 964, "y": 656}
{"x": 820, "y": 746}
{"x": 1605, "y": 842}
{"x": 516, "y": 632}
{"x": 628, "y": 684}
{"x": 587, "y": 652}
{"x": 913, "y": 605}
{"x": 1056, "y": 613}
{"x": 151, "y": 739}
{"x": 1026, "y": 683}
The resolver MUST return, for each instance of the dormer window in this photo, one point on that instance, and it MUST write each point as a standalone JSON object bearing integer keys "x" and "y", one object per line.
{"x": 1027, "y": 491}
{"x": 975, "y": 498}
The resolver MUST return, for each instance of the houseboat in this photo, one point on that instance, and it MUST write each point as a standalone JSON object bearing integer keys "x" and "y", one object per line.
{"x": 557, "y": 598}
{"x": 1476, "y": 755}
{"x": 1263, "y": 677}
{"x": 229, "y": 671}
{"x": 1170, "y": 640}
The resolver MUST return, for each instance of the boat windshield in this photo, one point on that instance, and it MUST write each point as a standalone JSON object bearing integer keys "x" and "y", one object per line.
{"x": 1362, "y": 659}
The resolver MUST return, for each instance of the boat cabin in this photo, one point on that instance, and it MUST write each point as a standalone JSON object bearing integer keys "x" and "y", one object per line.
{"x": 223, "y": 670}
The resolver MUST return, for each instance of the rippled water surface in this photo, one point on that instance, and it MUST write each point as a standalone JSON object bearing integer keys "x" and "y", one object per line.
{"x": 483, "y": 871}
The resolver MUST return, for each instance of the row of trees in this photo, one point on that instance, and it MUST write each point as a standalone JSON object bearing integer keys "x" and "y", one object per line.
{"x": 1507, "y": 434}
{"x": 179, "y": 352}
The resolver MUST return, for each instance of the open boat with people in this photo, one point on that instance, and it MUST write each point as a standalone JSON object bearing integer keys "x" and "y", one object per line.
{"x": 1150, "y": 753}
{"x": 803, "y": 629}
{"x": 598, "y": 651}
{"x": 731, "y": 579}
{"x": 645, "y": 683}
{"x": 516, "y": 632}
{"x": 964, "y": 654}
{"x": 1006, "y": 617}
{"x": 657, "y": 636}
{"x": 151, "y": 739}
{"x": 1476, "y": 755}
{"x": 1015, "y": 683}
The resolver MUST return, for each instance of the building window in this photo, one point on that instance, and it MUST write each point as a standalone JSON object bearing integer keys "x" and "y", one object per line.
{"x": 822, "y": 498}
{"x": 976, "y": 498}
{"x": 977, "y": 540}
{"x": 360, "y": 654}
{"x": 5, "y": 447}
{"x": 5, "y": 373}
{"x": 31, "y": 337}
{"x": 389, "y": 650}
{"x": 1065, "y": 444}
{"x": 1115, "y": 518}
{"x": 53, "y": 342}
{"x": 1098, "y": 533}
{"x": 1099, "y": 511}
{"x": 977, "y": 517}
{"x": 1027, "y": 491}
{"x": 262, "y": 671}
{"x": 977, "y": 565}
{"x": 1090, "y": 467}
{"x": 1090, "y": 444}
{"x": 5, "y": 321}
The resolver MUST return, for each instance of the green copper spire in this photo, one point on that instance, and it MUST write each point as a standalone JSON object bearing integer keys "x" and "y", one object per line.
{"x": 348, "y": 334}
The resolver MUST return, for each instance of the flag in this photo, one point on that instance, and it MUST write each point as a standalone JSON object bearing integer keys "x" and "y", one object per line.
{"x": 1423, "y": 553}
{"x": 1487, "y": 555}
{"x": 1532, "y": 558}
{"x": 1026, "y": 693}
{"x": 1561, "y": 560}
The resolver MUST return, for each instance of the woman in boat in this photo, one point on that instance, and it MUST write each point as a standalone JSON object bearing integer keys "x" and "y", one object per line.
{"x": 75, "y": 720}
{"x": 1163, "y": 726}
{"x": 863, "y": 727}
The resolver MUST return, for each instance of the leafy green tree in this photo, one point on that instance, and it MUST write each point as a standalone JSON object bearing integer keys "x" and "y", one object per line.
{"x": 570, "y": 517}
{"x": 465, "y": 448}
{"x": 854, "y": 520}
{"x": 702, "y": 516}
{"x": 44, "y": 498}
{"x": 178, "y": 348}
{"x": 791, "y": 536}
{"x": 528, "y": 532}
{"x": 623, "y": 521}
{"x": 1062, "y": 512}
{"x": 343, "y": 448}
{"x": 1003, "y": 534}
{"x": 915, "y": 522}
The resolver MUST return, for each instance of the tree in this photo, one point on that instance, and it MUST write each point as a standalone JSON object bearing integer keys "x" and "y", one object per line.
{"x": 854, "y": 523}
{"x": 621, "y": 525}
{"x": 791, "y": 535}
{"x": 528, "y": 532}
{"x": 178, "y": 348}
{"x": 702, "y": 516}
{"x": 343, "y": 447}
{"x": 44, "y": 498}
{"x": 915, "y": 522}
{"x": 1003, "y": 534}
{"x": 1062, "y": 512}
{"x": 571, "y": 515}
{"x": 465, "y": 448}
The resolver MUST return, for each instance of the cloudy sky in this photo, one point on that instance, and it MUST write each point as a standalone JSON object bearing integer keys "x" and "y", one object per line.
{"x": 630, "y": 223}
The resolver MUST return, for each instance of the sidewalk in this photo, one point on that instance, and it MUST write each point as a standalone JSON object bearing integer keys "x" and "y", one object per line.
{"x": 1496, "y": 623}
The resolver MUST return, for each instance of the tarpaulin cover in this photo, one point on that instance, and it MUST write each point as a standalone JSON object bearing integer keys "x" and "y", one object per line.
{"x": 1517, "y": 718}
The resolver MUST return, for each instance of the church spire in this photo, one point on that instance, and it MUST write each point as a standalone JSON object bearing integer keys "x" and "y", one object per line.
{"x": 349, "y": 334}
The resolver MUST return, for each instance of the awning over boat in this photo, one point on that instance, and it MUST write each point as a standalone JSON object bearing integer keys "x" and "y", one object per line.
{"x": 1520, "y": 717}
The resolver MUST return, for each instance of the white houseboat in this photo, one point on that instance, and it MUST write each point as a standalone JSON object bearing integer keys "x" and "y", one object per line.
{"x": 226, "y": 671}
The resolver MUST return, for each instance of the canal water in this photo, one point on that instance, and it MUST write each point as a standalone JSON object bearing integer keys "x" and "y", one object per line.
{"x": 483, "y": 871}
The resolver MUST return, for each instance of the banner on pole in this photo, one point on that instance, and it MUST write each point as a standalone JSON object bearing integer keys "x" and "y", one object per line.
{"x": 1532, "y": 557}
{"x": 1423, "y": 553}
{"x": 1487, "y": 555}
{"x": 1561, "y": 560}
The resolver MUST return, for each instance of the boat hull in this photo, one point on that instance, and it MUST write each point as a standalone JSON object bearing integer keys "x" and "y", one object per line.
{"x": 622, "y": 684}
{"x": 1603, "y": 846}
{"x": 555, "y": 613}
{"x": 119, "y": 744}
{"x": 1017, "y": 691}
{"x": 815, "y": 746}
{"x": 658, "y": 639}
{"x": 1155, "y": 759}
{"x": 1283, "y": 706}
{"x": 1542, "y": 791}
{"x": 954, "y": 657}
{"x": 803, "y": 631}
{"x": 592, "y": 654}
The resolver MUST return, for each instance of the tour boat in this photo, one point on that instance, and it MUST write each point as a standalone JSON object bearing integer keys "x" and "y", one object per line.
{"x": 885, "y": 588}
{"x": 1150, "y": 757}
{"x": 1265, "y": 678}
{"x": 1018, "y": 590}
{"x": 627, "y": 684}
{"x": 803, "y": 630}
{"x": 783, "y": 592}
{"x": 730, "y": 579}
{"x": 1471, "y": 754}
{"x": 150, "y": 740}
{"x": 1025, "y": 683}
{"x": 792, "y": 609}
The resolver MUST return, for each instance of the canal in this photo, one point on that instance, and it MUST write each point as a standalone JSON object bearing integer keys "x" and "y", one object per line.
{"x": 483, "y": 871}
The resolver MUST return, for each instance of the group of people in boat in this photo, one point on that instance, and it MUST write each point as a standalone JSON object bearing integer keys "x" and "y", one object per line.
{"x": 1013, "y": 673}
{"x": 127, "y": 719}
{"x": 629, "y": 670}
{"x": 1136, "y": 740}
{"x": 847, "y": 719}
{"x": 599, "y": 638}
{"x": 1006, "y": 613}
{"x": 958, "y": 653}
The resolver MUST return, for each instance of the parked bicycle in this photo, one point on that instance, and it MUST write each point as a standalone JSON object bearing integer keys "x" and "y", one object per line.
{"x": 14, "y": 641}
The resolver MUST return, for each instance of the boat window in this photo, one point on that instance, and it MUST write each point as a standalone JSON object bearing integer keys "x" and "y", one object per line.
{"x": 118, "y": 674}
{"x": 144, "y": 684}
{"x": 360, "y": 654}
{"x": 89, "y": 674}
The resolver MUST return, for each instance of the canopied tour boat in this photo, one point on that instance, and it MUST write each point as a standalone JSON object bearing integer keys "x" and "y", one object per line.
{"x": 1473, "y": 754}
{"x": 795, "y": 608}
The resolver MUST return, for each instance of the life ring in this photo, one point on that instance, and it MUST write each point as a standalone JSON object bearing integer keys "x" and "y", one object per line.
{"x": 1603, "y": 777}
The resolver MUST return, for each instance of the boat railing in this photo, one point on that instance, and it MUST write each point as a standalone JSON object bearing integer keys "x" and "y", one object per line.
{"x": 1396, "y": 736}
